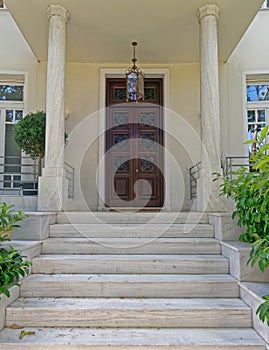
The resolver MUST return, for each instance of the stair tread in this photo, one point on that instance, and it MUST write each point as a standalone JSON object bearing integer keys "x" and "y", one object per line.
{"x": 129, "y": 278}
{"x": 215, "y": 338}
{"x": 139, "y": 257}
{"x": 126, "y": 304}
{"x": 135, "y": 240}
{"x": 131, "y": 230}
{"x": 132, "y": 217}
{"x": 130, "y": 225}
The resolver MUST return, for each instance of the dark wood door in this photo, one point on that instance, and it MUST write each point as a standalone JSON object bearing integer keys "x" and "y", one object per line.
{"x": 134, "y": 156}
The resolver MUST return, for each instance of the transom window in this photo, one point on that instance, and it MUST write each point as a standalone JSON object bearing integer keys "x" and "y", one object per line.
{"x": 11, "y": 92}
{"x": 258, "y": 93}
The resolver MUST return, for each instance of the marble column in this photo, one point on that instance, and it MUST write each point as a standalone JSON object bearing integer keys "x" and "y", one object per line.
{"x": 208, "y": 192}
{"x": 52, "y": 184}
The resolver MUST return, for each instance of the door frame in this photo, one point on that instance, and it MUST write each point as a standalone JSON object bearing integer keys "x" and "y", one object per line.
{"x": 101, "y": 175}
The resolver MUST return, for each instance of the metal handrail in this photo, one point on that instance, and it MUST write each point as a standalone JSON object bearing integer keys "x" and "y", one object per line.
{"x": 233, "y": 163}
{"x": 19, "y": 175}
{"x": 194, "y": 174}
{"x": 70, "y": 176}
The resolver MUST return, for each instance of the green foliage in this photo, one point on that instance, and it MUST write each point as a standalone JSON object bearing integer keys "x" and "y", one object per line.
{"x": 250, "y": 192}
{"x": 260, "y": 253}
{"x": 30, "y": 134}
{"x": 9, "y": 220}
{"x": 263, "y": 310}
{"x": 12, "y": 263}
{"x": 12, "y": 266}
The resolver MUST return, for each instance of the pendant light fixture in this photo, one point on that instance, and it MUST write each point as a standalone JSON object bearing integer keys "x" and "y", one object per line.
{"x": 134, "y": 80}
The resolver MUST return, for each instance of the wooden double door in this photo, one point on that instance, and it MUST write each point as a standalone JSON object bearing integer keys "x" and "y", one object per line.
{"x": 134, "y": 152}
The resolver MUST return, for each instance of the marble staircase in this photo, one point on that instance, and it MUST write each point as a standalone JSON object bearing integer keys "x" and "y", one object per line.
{"x": 130, "y": 281}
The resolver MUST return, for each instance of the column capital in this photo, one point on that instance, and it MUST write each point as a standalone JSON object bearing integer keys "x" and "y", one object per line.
{"x": 57, "y": 10}
{"x": 208, "y": 10}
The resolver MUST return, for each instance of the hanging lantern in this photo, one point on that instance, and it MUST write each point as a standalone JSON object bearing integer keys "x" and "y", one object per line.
{"x": 134, "y": 80}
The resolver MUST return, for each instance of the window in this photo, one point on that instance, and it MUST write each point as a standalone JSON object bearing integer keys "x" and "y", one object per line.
{"x": 11, "y": 111}
{"x": 11, "y": 92}
{"x": 2, "y": 5}
{"x": 265, "y": 5}
{"x": 257, "y": 108}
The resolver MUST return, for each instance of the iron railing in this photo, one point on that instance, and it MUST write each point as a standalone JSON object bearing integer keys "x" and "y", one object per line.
{"x": 19, "y": 175}
{"x": 233, "y": 164}
{"x": 70, "y": 176}
{"x": 194, "y": 174}
{"x": 230, "y": 166}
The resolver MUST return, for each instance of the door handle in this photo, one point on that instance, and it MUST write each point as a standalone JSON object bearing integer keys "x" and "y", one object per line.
{"x": 136, "y": 170}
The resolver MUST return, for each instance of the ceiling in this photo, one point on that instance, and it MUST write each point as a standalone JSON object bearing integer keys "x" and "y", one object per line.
{"x": 102, "y": 30}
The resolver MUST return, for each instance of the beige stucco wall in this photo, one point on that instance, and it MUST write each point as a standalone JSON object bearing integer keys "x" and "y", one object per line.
{"x": 17, "y": 57}
{"x": 251, "y": 56}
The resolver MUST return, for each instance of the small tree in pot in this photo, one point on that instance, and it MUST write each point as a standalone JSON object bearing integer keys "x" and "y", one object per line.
{"x": 30, "y": 134}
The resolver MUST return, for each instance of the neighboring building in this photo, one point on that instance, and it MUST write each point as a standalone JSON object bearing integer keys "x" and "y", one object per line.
{"x": 204, "y": 116}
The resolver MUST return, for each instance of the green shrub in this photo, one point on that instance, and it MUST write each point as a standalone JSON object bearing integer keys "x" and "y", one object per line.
{"x": 9, "y": 220}
{"x": 12, "y": 263}
{"x": 12, "y": 266}
{"x": 30, "y": 134}
{"x": 250, "y": 192}
{"x": 249, "y": 188}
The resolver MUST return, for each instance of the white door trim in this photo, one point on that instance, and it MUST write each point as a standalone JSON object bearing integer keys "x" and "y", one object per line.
{"x": 119, "y": 73}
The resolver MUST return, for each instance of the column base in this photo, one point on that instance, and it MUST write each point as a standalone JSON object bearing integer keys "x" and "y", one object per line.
{"x": 208, "y": 193}
{"x": 52, "y": 193}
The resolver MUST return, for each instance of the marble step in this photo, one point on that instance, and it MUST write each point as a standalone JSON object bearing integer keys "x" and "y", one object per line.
{"x": 132, "y": 218}
{"x": 131, "y": 246}
{"x": 131, "y": 286}
{"x": 132, "y": 230}
{"x": 135, "y": 264}
{"x": 129, "y": 313}
{"x": 130, "y": 339}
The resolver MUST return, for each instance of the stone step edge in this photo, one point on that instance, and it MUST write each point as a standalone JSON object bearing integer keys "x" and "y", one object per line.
{"x": 114, "y": 339}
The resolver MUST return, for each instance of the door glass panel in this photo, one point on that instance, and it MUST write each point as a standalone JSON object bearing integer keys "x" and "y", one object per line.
{"x": 121, "y": 163}
{"x": 120, "y": 141}
{"x": 147, "y": 164}
{"x": 18, "y": 115}
{"x": 261, "y": 115}
{"x": 120, "y": 94}
{"x": 147, "y": 119}
{"x": 147, "y": 141}
{"x": 256, "y": 121}
{"x": 9, "y": 115}
{"x": 149, "y": 94}
{"x": 251, "y": 116}
{"x": 120, "y": 119}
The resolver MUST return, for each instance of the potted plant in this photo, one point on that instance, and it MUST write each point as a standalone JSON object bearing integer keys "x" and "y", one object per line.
{"x": 30, "y": 134}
